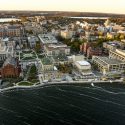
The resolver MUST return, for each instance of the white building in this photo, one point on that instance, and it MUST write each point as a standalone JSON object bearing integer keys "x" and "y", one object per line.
{"x": 78, "y": 58}
{"x": 117, "y": 54}
{"x": 107, "y": 22}
{"x": 106, "y": 65}
{"x": 84, "y": 67}
{"x": 44, "y": 22}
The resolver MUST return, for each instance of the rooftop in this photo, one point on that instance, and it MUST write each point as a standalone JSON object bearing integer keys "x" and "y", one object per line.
{"x": 122, "y": 52}
{"x": 46, "y": 61}
{"x": 59, "y": 46}
{"x": 83, "y": 63}
{"x": 11, "y": 61}
{"x": 60, "y": 58}
{"x": 106, "y": 60}
{"x": 13, "y": 27}
{"x": 111, "y": 61}
{"x": 47, "y": 38}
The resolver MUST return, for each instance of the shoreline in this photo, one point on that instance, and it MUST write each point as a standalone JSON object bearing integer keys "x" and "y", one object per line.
{"x": 59, "y": 83}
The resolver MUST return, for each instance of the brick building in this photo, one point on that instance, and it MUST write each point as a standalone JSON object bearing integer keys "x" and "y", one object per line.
{"x": 94, "y": 52}
{"x": 10, "y": 68}
{"x": 10, "y": 31}
{"x": 85, "y": 46}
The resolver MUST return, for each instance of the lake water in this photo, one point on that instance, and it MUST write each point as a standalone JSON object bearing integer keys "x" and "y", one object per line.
{"x": 100, "y": 104}
{"x": 8, "y": 19}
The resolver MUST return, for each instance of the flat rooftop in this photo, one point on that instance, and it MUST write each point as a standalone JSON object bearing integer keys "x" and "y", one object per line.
{"x": 106, "y": 60}
{"x": 60, "y": 58}
{"x": 47, "y": 38}
{"x": 119, "y": 51}
{"x": 83, "y": 63}
{"x": 57, "y": 46}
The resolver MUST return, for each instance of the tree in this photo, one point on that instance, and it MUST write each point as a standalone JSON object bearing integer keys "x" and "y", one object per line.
{"x": 38, "y": 46}
{"x": 100, "y": 41}
{"x": 122, "y": 36}
{"x": 23, "y": 19}
{"x": 29, "y": 31}
{"x": 117, "y": 37}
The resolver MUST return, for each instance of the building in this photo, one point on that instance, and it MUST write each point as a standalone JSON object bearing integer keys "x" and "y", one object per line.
{"x": 44, "y": 22}
{"x": 79, "y": 62}
{"x": 5, "y": 51}
{"x": 10, "y": 31}
{"x": 107, "y": 22}
{"x": 85, "y": 46}
{"x": 84, "y": 67}
{"x": 32, "y": 41}
{"x": 117, "y": 54}
{"x": 67, "y": 34}
{"x": 56, "y": 49}
{"x": 106, "y": 65}
{"x": 118, "y": 27}
{"x": 10, "y": 68}
{"x": 60, "y": 59}
{"x": 111, "y": 45}
{"x": 111, "y": 35}
{"x": 47, "y": 64}
{"x": 47, "y": 39}
{"x": 101, "y": 29}
{"x": 55, "y": 32}
{"x": 78, "y": 57}
{"x": 94, "y": 52}
{"x": 14, "y": 31}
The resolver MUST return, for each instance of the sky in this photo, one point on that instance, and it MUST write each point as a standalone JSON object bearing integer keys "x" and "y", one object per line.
{"x": 107, "y": 6}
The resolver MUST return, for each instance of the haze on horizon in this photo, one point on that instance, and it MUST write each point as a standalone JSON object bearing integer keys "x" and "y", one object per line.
{"x": 105, "y": 6}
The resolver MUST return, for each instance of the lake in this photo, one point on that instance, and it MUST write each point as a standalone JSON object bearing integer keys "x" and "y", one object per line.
{"x": 8, "y": 19}
{"x": 82, "y": 104}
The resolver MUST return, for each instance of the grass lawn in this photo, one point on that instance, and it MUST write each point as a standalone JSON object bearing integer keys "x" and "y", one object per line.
{"x": 28, "y": 55}
{"x": 33, "y": 78}
{"x": 25, "y": 84}
{"x": 33, "y": 70}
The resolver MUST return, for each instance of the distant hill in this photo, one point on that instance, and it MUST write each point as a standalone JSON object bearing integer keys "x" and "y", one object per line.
{"x": 90, "y": 14}
{"x": 58, "y": 13}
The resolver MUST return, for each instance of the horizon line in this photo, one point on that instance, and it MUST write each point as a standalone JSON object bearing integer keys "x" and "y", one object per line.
{"x": 67, "y": 11}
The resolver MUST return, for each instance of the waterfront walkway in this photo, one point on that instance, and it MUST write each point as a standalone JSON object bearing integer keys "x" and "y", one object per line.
{"x": 60, "y": 83}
